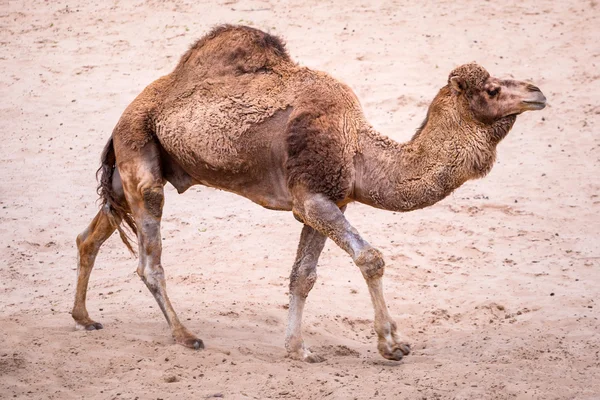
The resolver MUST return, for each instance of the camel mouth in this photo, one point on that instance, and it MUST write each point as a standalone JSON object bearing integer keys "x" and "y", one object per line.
{"x": 536, "y": 101}
{"x": 535, "y": 104}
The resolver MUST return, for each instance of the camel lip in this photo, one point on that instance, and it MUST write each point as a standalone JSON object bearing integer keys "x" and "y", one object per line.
{"x": 535, "y": 105}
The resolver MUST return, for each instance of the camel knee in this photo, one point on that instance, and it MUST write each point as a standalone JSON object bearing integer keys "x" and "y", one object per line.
{"x": 371, "y": 263}
{"x": 101, "y": 227}
{"x": 303, "y": 279}
{"x": 81, "y": 238}
{"x": 149, "y": 236}
{"x": 153, "y": 276}
{"x": 87, "y": 247}
{"x": 153, "y": 200}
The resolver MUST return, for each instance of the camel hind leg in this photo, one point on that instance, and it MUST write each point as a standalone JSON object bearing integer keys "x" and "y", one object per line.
{"x": 143, "y": 184}
{"x": 88, "y": 244}
{"x": 108, "y": 219}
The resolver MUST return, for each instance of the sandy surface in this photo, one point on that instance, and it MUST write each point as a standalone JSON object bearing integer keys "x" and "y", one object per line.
{"x": 497, "y": 286}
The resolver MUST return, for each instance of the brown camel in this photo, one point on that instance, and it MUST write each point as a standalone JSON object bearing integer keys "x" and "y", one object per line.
{"x": 239, "y": 115}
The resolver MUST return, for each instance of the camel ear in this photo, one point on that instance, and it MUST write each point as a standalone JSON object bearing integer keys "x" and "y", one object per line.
{"x": 457, "y": 84}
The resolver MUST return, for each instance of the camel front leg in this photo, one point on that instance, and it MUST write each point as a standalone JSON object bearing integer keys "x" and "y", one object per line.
{"x": 324, "y": 216}
{"x": 302, "y": 280}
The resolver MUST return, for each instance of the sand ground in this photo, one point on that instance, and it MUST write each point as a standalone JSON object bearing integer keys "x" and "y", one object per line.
{"x": 497, "y": 286}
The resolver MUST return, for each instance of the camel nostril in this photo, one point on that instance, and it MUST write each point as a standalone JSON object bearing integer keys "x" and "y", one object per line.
{"x": 533, "y": 88}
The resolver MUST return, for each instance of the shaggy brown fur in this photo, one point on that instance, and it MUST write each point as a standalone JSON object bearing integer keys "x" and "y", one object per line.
{"x": 238, "y": 114}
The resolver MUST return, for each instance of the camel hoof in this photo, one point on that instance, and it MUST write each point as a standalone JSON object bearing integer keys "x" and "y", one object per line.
{"x": 306, "y": 356}
{"x": 314, "y": 358}
{"x": 94, "y": 326}
{"x": 405, "y": 347}
{"x": 395, "y": 353}
{"x": 192, "y": 343}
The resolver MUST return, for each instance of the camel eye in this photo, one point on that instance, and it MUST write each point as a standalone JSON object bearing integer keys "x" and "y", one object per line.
{"x": 493, "y": 93}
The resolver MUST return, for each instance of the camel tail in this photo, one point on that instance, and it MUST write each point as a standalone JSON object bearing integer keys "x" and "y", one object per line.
{"x": 116, "y": 207}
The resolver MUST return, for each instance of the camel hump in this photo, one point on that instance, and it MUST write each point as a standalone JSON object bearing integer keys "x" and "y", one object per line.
{"x": 234, "y": 49}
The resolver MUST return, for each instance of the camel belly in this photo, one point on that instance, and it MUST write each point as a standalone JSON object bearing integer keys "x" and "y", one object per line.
{"x": 249, "y": 163}
{"x": 267, "y": 189}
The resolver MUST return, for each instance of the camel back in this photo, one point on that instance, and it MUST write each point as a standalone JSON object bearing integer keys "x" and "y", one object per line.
{"x": 231, "y": 49}
{"x": 230, "y": 82}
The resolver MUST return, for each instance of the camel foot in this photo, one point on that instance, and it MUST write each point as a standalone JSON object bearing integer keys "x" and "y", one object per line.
{"x": 306, "y": 356}
{"x": 302, "y": 353}
{"x": 394, "y": 352}
{"x": 371, "y": 263}
{"x": 191, "y": 342}
{"x": 87, "y": 324}
{"x": 94, "y": 326}
{"x": 313, "y": 358}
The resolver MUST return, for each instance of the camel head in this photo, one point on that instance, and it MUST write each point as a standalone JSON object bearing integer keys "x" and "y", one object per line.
{"x": 491, "y": 99}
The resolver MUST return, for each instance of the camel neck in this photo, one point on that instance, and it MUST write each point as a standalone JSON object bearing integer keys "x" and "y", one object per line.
{"x": 426, "y": 169}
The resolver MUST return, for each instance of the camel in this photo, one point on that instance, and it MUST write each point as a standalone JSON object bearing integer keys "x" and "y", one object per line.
{"x": 239, "y": 115}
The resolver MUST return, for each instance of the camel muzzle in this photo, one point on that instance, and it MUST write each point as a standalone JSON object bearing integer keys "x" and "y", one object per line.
{"x": 536, "y": 101}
